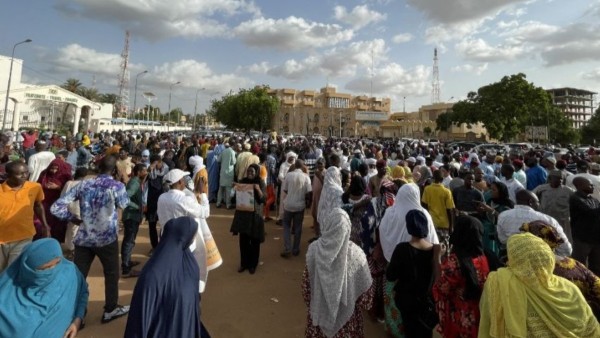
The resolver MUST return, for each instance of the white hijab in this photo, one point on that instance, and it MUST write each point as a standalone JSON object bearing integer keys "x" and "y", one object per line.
{"x": 392, "y": 229}
{"x": 339, "y": 274}
{"x": 197, "y": 162}
{"x": 331, "y": 194}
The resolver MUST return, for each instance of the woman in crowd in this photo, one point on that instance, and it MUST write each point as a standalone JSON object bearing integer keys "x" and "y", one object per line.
{"x": 317, "y": 187}
{"x": 165, "y": 301}
{"x": 411, "y": 270}
{"x": 200, "y": 174}
{"x": 53, "y": 179}
{"x": 250, "y": 224}
{"x": 499, "y": 202}
{"x": 336, "y": 284}
{"x": 43, "y": 294}
{"x": 355, "y": 201}
{"x": 393, "y": 230}
{"x": 331, "y": 194}
{"x": 370, "y": 242}
{"x": 567, "y": 267}
{"x": 526, "y": 299}
{"x": 463, "y": 273}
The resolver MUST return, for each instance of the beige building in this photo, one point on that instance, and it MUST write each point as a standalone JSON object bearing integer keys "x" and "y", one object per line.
{"x": 422, "y": 124}
{"x": 329, "y": 113}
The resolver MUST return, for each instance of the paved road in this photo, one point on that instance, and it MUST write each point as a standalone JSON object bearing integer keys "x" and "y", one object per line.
{"x": 234, "y": 305}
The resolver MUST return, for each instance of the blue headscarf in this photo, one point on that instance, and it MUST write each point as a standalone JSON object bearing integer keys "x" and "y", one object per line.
{"x": 41, "y": 303}
{"x": 165, "y": 301}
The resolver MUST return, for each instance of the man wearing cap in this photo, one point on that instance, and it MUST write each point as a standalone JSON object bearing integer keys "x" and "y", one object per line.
{"x": 554, "y": 200}
{"x": 39, "y": 161}
{"x": 179, "y": 202}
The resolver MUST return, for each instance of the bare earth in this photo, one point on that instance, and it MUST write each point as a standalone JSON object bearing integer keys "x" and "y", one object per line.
{"x": 236, "y": 305}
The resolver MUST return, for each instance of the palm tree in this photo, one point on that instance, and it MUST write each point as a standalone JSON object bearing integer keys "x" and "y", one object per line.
{"x": 72, "y": 85}
{"x": 89, "y": 93}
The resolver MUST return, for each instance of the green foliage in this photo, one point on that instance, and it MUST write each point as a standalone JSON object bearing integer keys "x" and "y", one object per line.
{"x": 506, "y": 108}
{"x": 444, "y": 121}
{"x": 591, "y": 131}
{"x": 427, "y": 131}
{"x": 249, "y": 109}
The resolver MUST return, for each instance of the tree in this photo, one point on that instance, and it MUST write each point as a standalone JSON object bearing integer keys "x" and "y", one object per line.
{"x": 91, "y": 94}
{"x": 590, "y": 133}
{"x": 444, "y": 121}
{"x": 249, "y": 109}
{"x": 427, "y": 131}
{"x": 506, "y": 108}
{"x": 72, "y": 85}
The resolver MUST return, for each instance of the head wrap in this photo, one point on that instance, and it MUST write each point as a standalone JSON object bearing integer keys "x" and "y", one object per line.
{"x": 544, "y": 231}
{"x": 331, "y": 194}
{"x": 416, "y": 224}
{"x": 338, "y": 272}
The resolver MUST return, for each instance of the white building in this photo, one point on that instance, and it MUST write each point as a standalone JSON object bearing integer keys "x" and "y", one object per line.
{"x": 49, "y": 107}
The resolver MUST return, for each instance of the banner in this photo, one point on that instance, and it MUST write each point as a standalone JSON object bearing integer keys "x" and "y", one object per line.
{"x": 244, "y": 197}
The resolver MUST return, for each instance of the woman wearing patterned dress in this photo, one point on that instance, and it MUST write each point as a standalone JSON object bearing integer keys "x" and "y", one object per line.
{"x": 336, "y": 284}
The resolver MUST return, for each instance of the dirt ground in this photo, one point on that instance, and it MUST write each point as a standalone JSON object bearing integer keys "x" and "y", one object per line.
{"x": 234, "y": 305}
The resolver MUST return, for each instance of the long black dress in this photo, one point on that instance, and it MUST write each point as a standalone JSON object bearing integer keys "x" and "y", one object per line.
{"x": 165, "y": 301}
{"x": 251, "y": 228}
{"x": 412, "y": 270}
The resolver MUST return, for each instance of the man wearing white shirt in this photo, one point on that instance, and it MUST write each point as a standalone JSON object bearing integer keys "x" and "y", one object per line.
{"x": 525, "y": 211}
{"x": 39, "y": 161}
{"x": 507, "y": 171}
{"x": 298, "y": 188}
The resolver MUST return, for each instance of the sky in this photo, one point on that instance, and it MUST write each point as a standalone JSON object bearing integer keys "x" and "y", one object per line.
{"x": 379, "y": 47}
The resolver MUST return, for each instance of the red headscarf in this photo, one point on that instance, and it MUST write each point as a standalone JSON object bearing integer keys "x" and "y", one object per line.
{"x": 60, "y": 177}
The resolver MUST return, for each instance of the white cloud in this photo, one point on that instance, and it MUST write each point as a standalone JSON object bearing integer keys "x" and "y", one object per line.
{"x": 258, "y": 68}
{"x": 335, "y": 62}
{"x": 470, "y": 68}
{"x": 359, "y": 17}
{"x": 155, "y": 19}
{"x": 454, "y": 11}
{"x": 393, "y": 79}
{"x": 446, "y": 32}
{"x": 593, "y": 75}
{"x": 291, "y": 33}
{"x": 74, "y": 57}
{"x": 480, "y": 51}
{"x": 402, "y": 38}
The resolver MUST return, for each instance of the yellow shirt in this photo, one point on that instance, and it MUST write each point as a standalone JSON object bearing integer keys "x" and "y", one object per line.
{"x": 16, "y": 211}
{"x": 438, "y": 199}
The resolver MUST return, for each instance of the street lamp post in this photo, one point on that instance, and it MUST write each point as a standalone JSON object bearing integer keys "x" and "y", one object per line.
{"x": 169, "y": 110}
{"x": 196, "y": 109}
{"x": 135, "y": 91}
{"x": 12, "y": 59}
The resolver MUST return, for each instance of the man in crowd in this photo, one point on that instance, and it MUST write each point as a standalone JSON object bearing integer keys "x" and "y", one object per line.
{"x": 507, "y": 171}
{"x": 99, "y": 199}
{"x": 467, "y": 198}
{"x": 39, "y": 161}
{"x": 19, "y": 200}
{"x": 375, "y": 181}
{"x": 526, "y": 210}
{"x": 227, "y": 161}
{"x": 554, "y": 200}
{"x": 437, "y": 199}
{"x": 583, "y": 171}
{"x": 585, "y": 224}
{"x": 298, "y": 188}
{"x": 132, "y": 217}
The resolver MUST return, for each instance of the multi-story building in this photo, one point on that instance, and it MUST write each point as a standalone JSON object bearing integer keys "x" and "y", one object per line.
{"x": 577, "y": 104}
{"x": 329, "y": 113}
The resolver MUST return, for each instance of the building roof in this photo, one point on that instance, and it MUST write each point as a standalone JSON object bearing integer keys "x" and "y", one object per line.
{"x": 582, "y": 91}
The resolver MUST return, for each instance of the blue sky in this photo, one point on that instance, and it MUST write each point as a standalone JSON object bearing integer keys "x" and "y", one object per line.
{"x": 223, "y": 45}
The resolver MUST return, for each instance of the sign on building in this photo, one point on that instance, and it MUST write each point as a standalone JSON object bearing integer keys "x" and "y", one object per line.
{"x": 537, "y": 132}
{"x": 371, "y": 116}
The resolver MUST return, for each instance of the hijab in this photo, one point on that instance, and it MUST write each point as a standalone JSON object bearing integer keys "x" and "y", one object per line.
{"x": 528, "y": 284}
{"x": 62, "y": 175}
{"x": 165, "y": 298}
{"x": 331, "y": 194}
{"x": 338, "y": 271}
{"x": 41, "y": 303}
{"x": 392, "y": 229}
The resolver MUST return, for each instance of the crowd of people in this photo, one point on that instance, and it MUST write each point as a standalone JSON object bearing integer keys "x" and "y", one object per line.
{"x": 421, "y": 237}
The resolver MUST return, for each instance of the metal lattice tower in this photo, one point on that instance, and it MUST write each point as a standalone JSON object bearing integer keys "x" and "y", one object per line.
{"x": 123, "y": 104}
{"x": 435, "y": 83}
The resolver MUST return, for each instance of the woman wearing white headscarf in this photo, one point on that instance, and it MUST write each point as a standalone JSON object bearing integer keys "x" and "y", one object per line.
{"x": 392, "y": 229}
{"x": 337, "y": 283}
{"x": 331, "y": 195}
{"x": 290, "y": 159}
